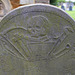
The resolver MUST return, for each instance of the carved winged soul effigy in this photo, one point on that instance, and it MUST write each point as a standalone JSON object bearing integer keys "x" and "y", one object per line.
{"x": 37, "y": 39}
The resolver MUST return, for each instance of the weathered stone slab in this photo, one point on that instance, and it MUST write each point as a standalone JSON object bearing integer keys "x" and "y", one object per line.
{"x": 37, "y": 40}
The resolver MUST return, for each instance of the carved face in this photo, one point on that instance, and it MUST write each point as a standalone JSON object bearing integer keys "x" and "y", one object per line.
{"x": 37, "y": 26}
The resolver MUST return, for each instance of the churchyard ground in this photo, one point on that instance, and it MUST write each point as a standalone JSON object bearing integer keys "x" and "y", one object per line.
{"x": 71, "y": 13}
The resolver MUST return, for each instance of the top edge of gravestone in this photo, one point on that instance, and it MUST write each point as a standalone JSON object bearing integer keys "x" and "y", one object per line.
{"x": 37, "y": 8}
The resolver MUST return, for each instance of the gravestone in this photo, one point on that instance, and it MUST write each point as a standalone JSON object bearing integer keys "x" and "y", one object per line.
{"x": 5, "y": 7}
{"x": 27, "y": 1}
{"x": 62, "y": 7}
{"x": 70, "y": 8}
{"x": 42, "y": 1}
{"x": 37, "y": 40}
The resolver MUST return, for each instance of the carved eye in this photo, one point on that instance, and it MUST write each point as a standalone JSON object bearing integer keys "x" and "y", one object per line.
{"x": 68, "y": 46}
{"x": 38, "y": 27}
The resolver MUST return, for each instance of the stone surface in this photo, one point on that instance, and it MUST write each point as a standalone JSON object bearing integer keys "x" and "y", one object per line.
{"x": 27, "y": 1}
{"x": 37, "y": 40}
{"x": 6, "y": 5}
{"x": 42, "y": 1}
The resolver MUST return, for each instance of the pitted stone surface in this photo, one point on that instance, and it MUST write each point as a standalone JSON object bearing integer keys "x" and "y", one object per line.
{"x": 37, "y": 40}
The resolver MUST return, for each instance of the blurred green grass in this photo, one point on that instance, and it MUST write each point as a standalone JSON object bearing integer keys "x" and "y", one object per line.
{"x": 71, "y": 13}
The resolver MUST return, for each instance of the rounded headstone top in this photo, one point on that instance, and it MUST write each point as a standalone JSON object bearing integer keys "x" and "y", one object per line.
{"x": 34, "y": 31}
{"x": 37, "y": 39}
{"x": 39, "y": 7}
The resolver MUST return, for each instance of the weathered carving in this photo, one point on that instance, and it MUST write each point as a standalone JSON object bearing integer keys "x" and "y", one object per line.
{"x": 65, "y": 45}
{"x": 37, "y": 40}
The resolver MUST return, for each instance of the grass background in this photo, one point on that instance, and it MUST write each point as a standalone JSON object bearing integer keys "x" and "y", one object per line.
{"x": 71, "y": 13}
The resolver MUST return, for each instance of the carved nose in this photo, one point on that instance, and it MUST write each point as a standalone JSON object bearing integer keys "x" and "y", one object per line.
{"x": 33, "y": 30}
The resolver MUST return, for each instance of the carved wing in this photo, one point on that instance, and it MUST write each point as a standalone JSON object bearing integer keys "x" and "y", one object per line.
{"x": 16, "y": 43}
{"x": 63, "y": 46}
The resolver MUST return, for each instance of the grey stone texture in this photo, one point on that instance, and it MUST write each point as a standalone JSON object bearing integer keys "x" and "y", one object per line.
{"x": 37, "y": 39}
{"x": 42, "y": 1}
